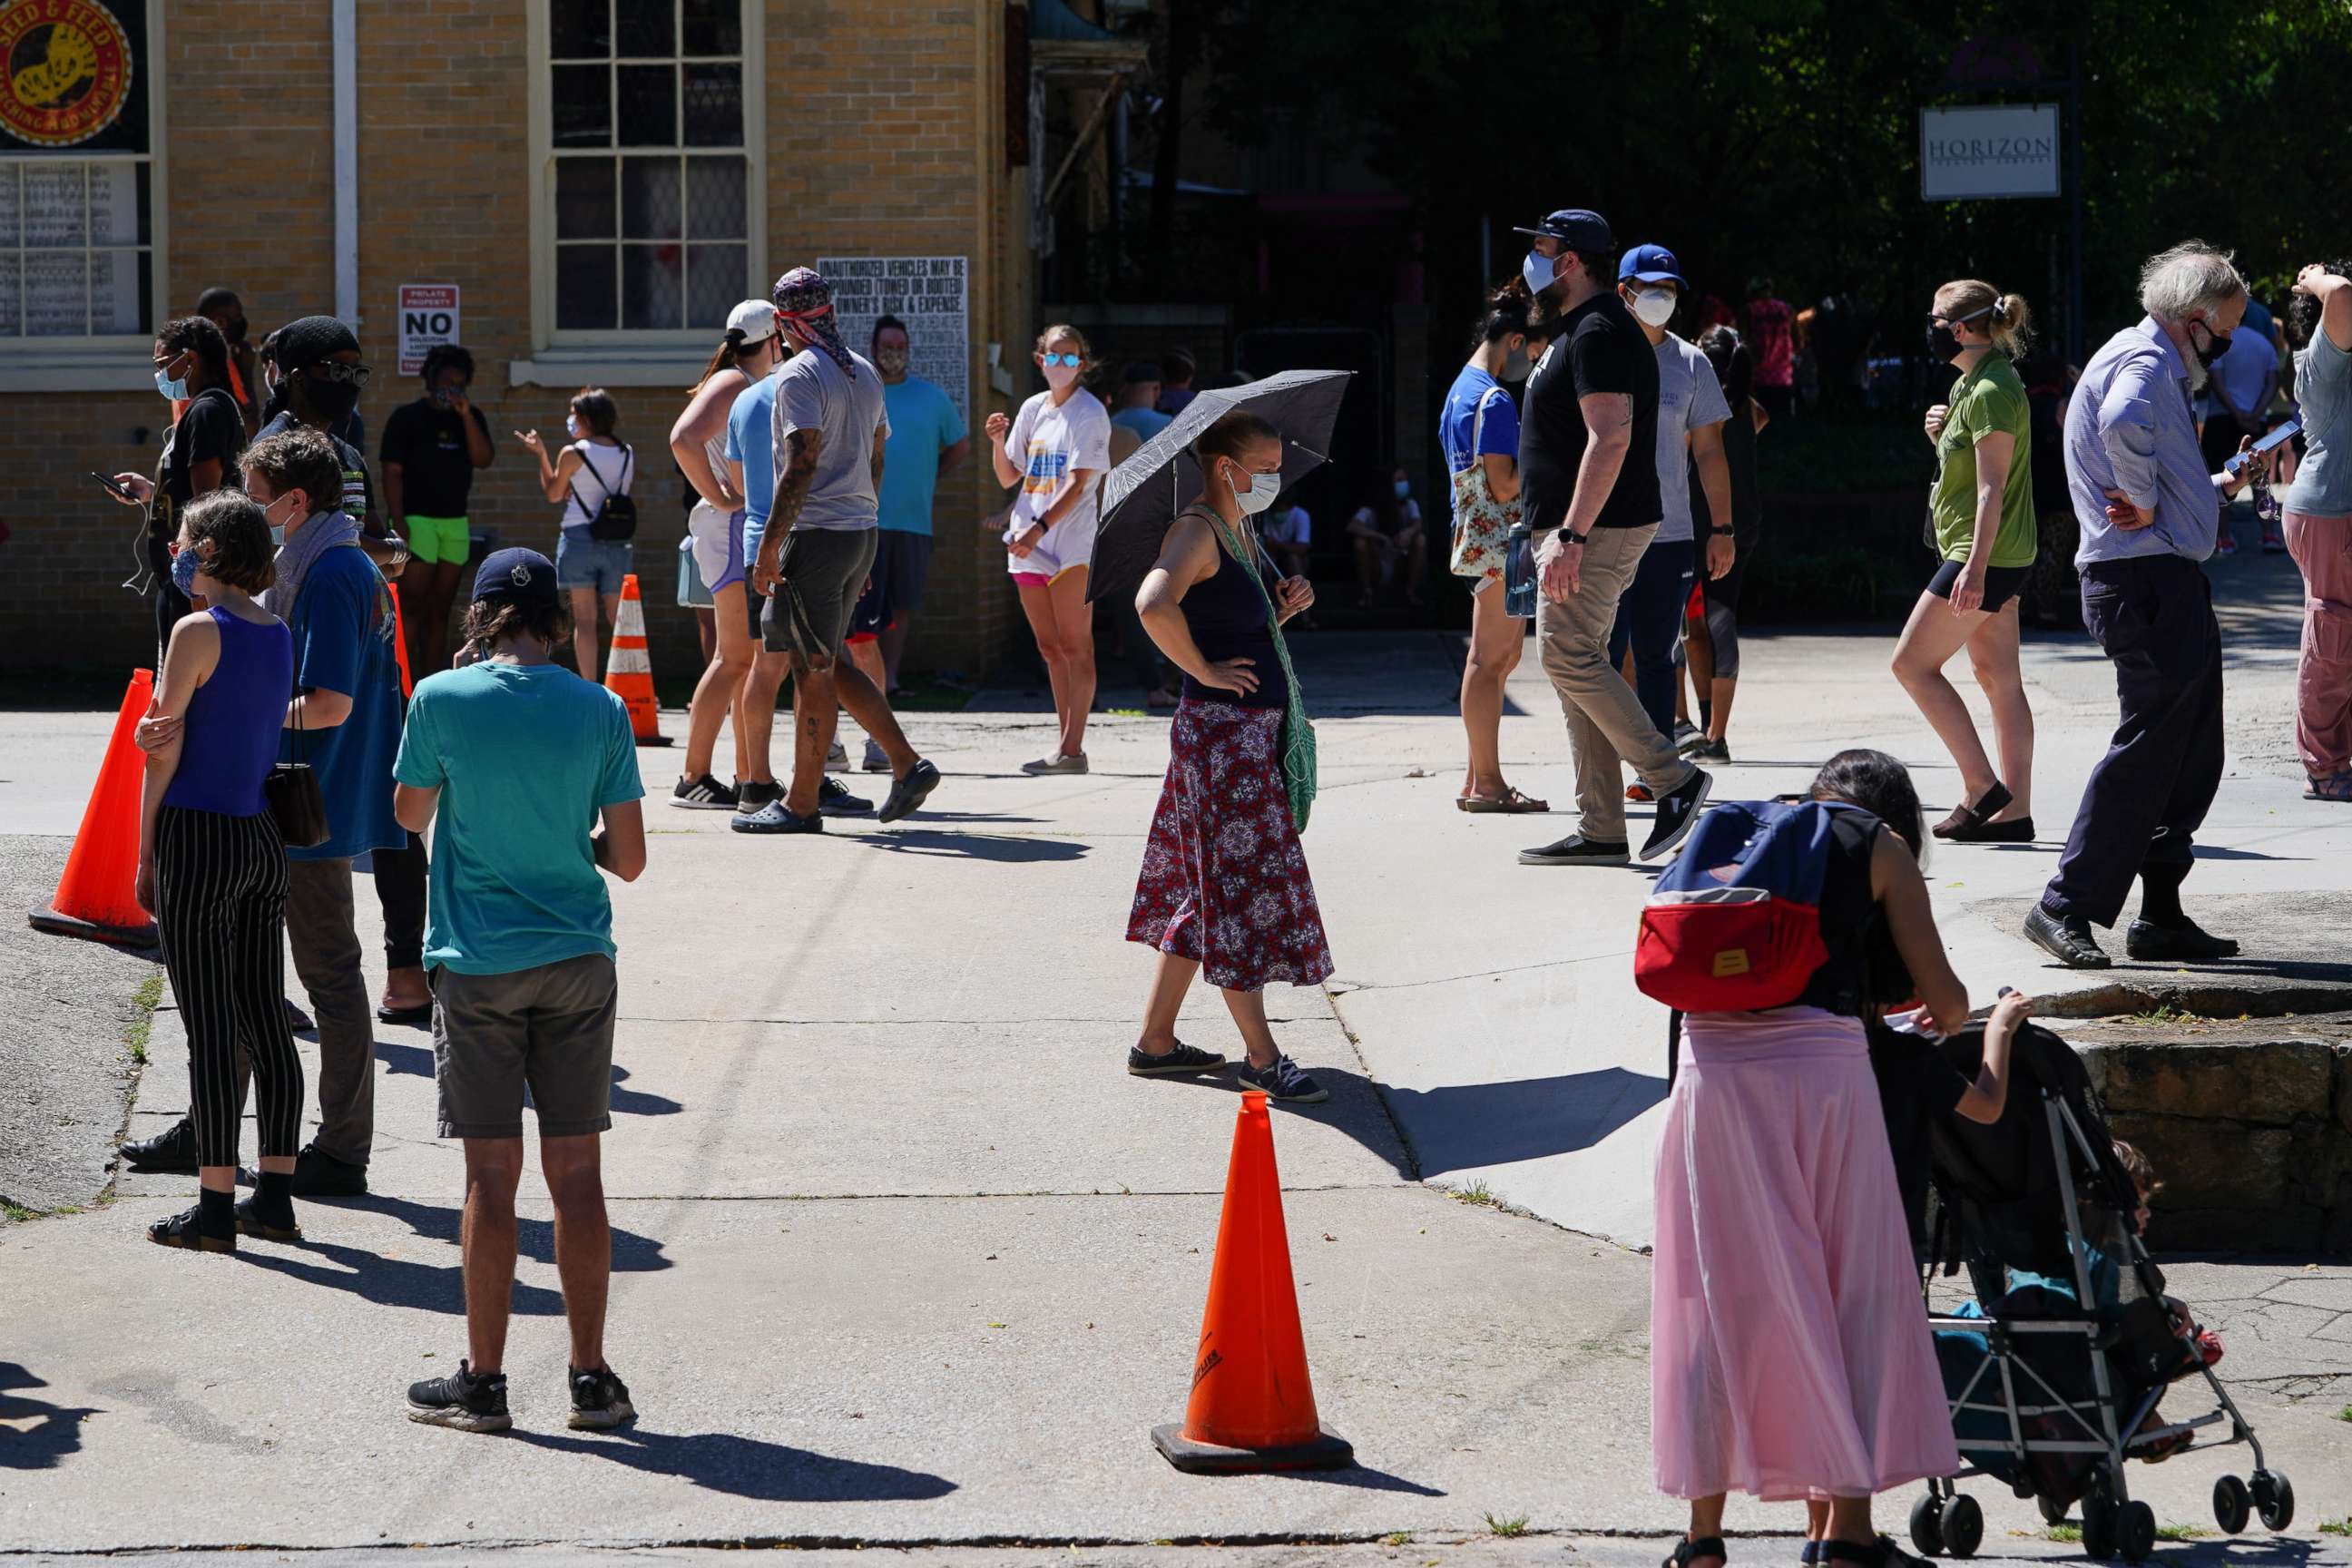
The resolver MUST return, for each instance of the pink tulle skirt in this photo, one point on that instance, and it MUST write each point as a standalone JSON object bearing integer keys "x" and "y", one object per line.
{"x": 1790, "y": 1356}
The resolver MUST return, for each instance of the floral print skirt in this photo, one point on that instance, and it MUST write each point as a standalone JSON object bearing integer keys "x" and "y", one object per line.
{"x": 1225, "y": 879}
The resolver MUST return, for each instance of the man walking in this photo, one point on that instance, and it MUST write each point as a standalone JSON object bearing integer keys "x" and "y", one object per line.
{"x": 518, "y": 756}
{"x": 2149, "y": 509}
{"x": 927, "y": 438}
{"x": 1589, "y": 497}
{"x": 830, "y": 427}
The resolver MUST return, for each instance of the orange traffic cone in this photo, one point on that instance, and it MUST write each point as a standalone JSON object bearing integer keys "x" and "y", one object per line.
{"x": 399, "y": 643}
{"x": 628, "y": 672}
{"x": 98, "y": 896}
{"x": 1253, "y": 1405}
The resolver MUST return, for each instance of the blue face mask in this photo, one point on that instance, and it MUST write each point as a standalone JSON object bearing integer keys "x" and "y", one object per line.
{"x": 1538, "y": 271}
{"x": 185, "y": 566}
{"x": 1404, "y": 489}
{"x": 174, "y": 389}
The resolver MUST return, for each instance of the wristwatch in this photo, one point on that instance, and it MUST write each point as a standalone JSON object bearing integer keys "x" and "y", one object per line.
{"x": 1575, "y": 538}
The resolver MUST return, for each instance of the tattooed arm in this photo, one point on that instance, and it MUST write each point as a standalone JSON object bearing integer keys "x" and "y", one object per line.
{"x": 802, "y": 447}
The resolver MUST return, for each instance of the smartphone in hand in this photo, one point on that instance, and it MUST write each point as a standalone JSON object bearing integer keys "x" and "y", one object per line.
{"x": 119, "y": 492}
{"x": 2263, "y": 447}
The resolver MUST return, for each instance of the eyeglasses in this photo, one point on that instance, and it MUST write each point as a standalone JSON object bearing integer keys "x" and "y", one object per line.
{"x": 1073, "y": 360}
{"x": 336, "y": 370}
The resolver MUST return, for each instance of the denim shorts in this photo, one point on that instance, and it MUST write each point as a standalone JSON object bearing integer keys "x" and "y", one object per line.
{"x": 584, "y": 562}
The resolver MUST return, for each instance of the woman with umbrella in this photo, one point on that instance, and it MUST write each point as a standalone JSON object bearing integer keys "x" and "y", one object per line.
{"x": 1224, "y": 884}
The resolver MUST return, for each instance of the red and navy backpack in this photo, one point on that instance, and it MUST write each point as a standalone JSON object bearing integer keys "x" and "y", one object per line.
{"x": 1734, "y": 923}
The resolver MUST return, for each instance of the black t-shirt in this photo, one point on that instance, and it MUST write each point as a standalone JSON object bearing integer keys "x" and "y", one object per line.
{"x": 428, "y": 442}
{"x": 358, "y": 487}
{"x": 211, "y": 428}
{"x": 1600, "y": 348}
{"x": 1916, "y": 1084}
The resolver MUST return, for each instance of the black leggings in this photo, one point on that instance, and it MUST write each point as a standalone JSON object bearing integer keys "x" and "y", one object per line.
{"x": 220, "y": 892}
{"x": 1722, "y": 595}
{"x": 400, "y": 876}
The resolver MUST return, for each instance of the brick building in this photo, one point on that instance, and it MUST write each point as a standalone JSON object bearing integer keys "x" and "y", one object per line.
{"x": 598, "y": 181}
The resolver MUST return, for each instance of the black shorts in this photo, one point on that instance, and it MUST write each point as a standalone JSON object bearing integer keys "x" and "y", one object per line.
{"x": 821, "y": 573}
{"x": 2001, "y": 583}
{"x": 902, "y": 565}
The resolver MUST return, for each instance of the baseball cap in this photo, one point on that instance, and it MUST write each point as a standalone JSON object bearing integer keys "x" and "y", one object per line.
{"x": 1576, "y": 229}
{"x": 514, "y": 572}
{"x": 754, "y": 318}
{"x": 1651, "y": 264}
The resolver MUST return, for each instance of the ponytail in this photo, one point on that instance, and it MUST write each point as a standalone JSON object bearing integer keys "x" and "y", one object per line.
{"x": 1509, "y": 310}
{"x": 2006, "y": 319}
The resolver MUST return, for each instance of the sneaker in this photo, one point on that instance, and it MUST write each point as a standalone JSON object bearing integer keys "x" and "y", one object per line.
{"x": 834, "y": 799}
{"x": 2273, "y": 544}
{"x": 1283, "y": 1079}
{"x": 250, "y": 1223}
{"x": 1638, "y": 793}
{"x": 910, "y": 792}
{"x": 777, "y": 817}
{"x": 838, "y": 757}
{"x": 171, "y": 1153}
{"x": 600, "y": 1401}
{"x": 705, "y": 793}
{"x": 186, "y": 1229}
{"x": 462, "y": 1401}
{"x": 1676, "y": 813}
{"x": 2226, "y": 543}
{"x": 1182, "y": 1062}
{"x": 319, "y": 1174}
{"x": 1686, "y": 735}
{"x": 750, "y": 794}
{"x": 1578, "y": 850}
{"x": 1057, "y": 763}
{"x": 877, "y": 760}
{"x": 1709, "y": 751}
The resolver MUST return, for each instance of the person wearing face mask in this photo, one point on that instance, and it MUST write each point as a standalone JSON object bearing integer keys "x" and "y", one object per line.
{"x": 2149, "y": 509}
{"x": 1981, "y": 511}
{"x": 1054, "y": 453}
{"x": 1479, "y": 430}
{"x": 1691, "y": 416}
{"x": 191, "y": 371}
{"x": 320, "y": 379}
{"x": 1222, "y": 843}
{"x": 226, "y": 310}
{"x": 592, "y": 464}
{"x": 927, "y": 439}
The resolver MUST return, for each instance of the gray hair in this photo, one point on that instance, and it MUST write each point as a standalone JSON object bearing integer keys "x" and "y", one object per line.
{"x": 2190, "y": 276}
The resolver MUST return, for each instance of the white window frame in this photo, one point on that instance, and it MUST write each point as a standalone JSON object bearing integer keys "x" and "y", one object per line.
{"x": 113, "y": 361}
{"x": 623, "y": 357}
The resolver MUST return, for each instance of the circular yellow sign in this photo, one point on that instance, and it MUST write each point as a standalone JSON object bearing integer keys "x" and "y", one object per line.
{"x": 66, "y": 65}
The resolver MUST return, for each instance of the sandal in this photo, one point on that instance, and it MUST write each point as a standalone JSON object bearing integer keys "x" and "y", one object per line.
{"x": 2334, "y": 786}
{"x": 1510, "y": 803}
{"x": 1688, "y": 1552}
{"x": 1974, "y": 818}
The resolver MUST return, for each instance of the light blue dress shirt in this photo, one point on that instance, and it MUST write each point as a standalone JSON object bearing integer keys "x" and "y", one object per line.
{"x": 2130, "y": 427}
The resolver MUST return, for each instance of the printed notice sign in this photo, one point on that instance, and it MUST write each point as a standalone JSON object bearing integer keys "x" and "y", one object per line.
{"x": 929, "y": 293}
{"x": 428, "y": 318}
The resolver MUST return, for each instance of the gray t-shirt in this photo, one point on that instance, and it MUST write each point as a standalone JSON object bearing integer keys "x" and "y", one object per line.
{"x": 845, "y": 408}
{"x": 2323, "y": 395}
{"x": 1689, "y": 398}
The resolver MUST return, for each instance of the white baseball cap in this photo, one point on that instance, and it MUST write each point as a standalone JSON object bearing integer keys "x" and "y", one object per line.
{"x": 754, "y": 318}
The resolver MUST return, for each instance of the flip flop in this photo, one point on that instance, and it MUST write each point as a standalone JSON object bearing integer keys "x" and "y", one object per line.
{"x": 1513, "y": 804}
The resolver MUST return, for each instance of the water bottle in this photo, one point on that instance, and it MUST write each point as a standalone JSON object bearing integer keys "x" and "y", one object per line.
{"x": 1520, "y": 572}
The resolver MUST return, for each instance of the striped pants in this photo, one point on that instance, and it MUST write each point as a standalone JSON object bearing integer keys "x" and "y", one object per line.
{"x": 220, "y": 888}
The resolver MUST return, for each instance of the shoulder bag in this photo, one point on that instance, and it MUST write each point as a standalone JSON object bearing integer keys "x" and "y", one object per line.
{"x": 616, "y": 514}
{"x": 296, "y": 803}
{"x": 1298, "y": 741}
{"x": 1481, "y": 525}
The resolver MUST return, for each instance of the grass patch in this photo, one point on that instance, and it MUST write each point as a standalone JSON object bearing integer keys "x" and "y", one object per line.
{"x": 2164, "y": 1015}
{"x": 1397, "y": 1538}
{"x": 2180, "y": 1532}
{"x": 1127, "y": 714}
{"x": 2072, "y": 1533}
{"x": 2336, "y": 1526}
{"x": 2344, "y": 1413}
{"x": 143, "y": 1001}
{"x": 1517, "y": 1524}
{"x": 1475, "y": 1193}
{"x": 16, "y": 1213}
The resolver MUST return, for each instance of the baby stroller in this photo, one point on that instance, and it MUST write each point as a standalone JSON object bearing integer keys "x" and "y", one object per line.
{"x": 2055, "y": 1367}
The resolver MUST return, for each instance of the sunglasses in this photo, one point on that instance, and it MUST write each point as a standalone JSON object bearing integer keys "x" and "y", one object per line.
{"x": 336, "y": 370}
{"x": 1073, "y": 360}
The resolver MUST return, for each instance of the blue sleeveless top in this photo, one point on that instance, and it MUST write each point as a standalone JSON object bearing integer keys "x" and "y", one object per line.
{"x": 230, "y": 742}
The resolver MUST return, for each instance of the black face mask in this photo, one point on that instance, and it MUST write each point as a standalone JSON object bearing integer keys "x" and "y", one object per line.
{"x": 1941, "y": 342}
{"x": 331, "y": 401}
{"x": 2216, "y": 345}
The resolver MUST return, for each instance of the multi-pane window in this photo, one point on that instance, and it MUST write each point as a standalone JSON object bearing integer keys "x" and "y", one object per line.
{"x": 652, "y": 173}
{"x": 76, "y": 172}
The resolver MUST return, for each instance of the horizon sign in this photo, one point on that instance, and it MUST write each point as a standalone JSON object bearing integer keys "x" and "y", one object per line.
{"x": 1988, "y": 151}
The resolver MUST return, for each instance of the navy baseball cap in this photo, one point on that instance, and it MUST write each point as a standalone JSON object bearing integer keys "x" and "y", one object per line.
{"x": 514, "y": 572}
{"x": 1651, "y": 264}
{"x": 1576, "y": 229}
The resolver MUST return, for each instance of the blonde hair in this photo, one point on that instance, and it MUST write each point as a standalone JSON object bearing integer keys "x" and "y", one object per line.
{"x": 2011, "y": 325}
{"x": 1064, "y": 330}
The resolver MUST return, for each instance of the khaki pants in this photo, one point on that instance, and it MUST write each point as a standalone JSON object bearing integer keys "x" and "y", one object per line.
{"x": 1605, "y": 721}
{"x": 326, "y": 945}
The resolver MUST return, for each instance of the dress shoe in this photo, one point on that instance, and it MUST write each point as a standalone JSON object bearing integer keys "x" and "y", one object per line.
{"x": 2066, "y": 938}
{"x": 2187, "y": 943}
{"x": 319, "y": 1174}
{"x": 171, "y": 1153}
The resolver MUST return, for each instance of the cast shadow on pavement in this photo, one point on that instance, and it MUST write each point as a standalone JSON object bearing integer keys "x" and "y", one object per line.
{"x": 1004, "y": 847}
{"x": 748, "y": 1467}
{"x": 416, "y": 1061}
{"x": 34, "y": 1434}
{"x": 2247, "y": 1551}
{"x": 534, "y": 1238}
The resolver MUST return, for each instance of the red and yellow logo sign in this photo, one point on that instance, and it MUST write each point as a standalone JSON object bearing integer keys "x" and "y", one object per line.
{"x": 68, "y": 70}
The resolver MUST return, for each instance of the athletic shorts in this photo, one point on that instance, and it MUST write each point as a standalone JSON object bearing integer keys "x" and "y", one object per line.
{"x": 438, "y": 539}
{"x": 822, "y": 574}
{"x": 1069, "y": 543}
{"x": 2001, "y": 583}
{"x": 717, "y": 539}
{"x": 550, "y": 1028}
{"x": 902, "y": 565}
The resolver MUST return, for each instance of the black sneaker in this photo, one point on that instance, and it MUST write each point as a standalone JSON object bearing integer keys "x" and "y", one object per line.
{"x": 777, "y": 817}
{"x": 705, "y": 793}
{"x": 2066, "y": 938}
{"x": 1578, "y": 850}
{"x": 1676, "y": 813}
{"x": 186, "y": 1229}
{"x": 600, "y": 1401}
{"x": 910, "y": 792}
{"x": 1709, "y": 751}
{"x": 462, "y": 1401}
{"x": 171, "y": 1153}
{"x": 1283, "y": 1079}
{"x": 750, "y": 794}
{"x": 2187, "y": 943}
{"x": 1182, "y": 1062}
{"x": 250, "y": 1223}
{"x": 319, "y": 1174}
{"x": 834, "y": 799}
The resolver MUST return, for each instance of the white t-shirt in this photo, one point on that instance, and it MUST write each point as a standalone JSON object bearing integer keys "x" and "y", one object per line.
{"x": 845, "y": 408}
{"x": 603, "y": 471}
{"x": 1288, "y": 525}
{"x": 1047, "y": 443}
{"x": 1689, "y": 398}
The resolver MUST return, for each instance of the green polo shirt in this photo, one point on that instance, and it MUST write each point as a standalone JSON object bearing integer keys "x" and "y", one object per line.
{"x": 1988, "y": 401}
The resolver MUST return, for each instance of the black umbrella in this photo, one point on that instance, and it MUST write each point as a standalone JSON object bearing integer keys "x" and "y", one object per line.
{"x": 1142, "y": 496}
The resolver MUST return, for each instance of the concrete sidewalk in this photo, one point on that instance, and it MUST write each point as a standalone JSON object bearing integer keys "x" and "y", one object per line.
{"x": 902, "y": 1256}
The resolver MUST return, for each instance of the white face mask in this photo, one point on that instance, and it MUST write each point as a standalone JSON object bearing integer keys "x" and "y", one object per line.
{"x": 1262, "y": 489}
{"x": 1654, "y": 307}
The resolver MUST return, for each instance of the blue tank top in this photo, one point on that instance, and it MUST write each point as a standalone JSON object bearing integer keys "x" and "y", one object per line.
{"x": 230, "y": 742}
{"x": 1227, "y": 618}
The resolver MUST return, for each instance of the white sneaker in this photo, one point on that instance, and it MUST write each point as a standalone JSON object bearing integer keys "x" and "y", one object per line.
{"x": 838, "y": 757}
{"x": 875, "y": 762}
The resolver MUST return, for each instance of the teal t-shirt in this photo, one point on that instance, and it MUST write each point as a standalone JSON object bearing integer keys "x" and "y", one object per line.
{"x": 923, "y": 424}
{"x": 524, "y": 757}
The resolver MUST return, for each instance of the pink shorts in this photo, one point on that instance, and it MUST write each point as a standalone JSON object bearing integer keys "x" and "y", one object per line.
{"x": 1031, "y": 579}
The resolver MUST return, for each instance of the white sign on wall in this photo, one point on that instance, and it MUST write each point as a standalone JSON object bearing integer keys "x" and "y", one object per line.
{"x": 428, "y": 318}
{"x": 1988, "y": 151}
{"x": 929, "y": 293}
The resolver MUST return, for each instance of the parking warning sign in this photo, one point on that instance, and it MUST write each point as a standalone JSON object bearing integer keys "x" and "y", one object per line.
{"x": 428, "y": 318}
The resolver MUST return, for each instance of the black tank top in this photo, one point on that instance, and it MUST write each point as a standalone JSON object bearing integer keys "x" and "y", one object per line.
{"x": 1865, "y": 972}
{"x": 1227, "y": 618}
